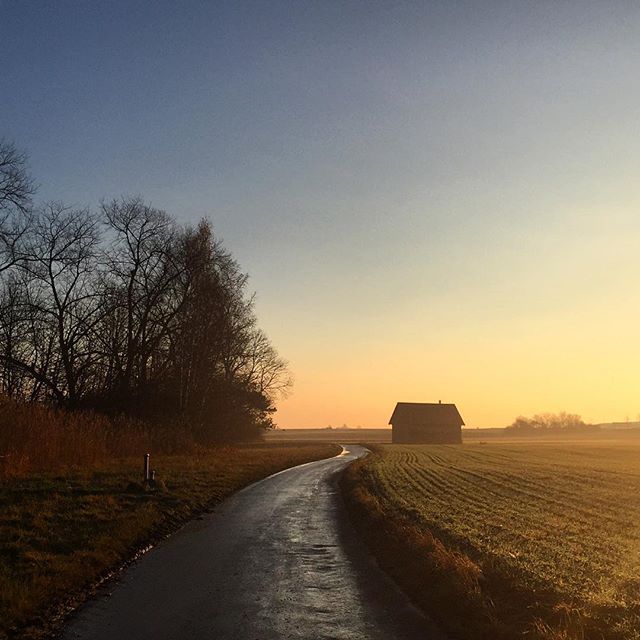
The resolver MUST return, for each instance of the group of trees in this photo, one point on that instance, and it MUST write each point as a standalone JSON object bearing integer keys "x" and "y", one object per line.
{"x": 550, "y": 423}
{"x": 123, "y": 311}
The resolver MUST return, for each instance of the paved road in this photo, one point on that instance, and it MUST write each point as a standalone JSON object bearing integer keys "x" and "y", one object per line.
{"x": 276, "y": 561}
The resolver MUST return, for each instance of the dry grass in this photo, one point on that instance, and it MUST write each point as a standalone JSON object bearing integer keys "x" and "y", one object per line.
{"x": 503, "y": 541}
{"x": 39, "y": 438}
{"x": 71, "y": 512}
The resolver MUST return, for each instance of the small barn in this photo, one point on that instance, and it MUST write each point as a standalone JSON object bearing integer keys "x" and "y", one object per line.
{"x": 426, "y": 423}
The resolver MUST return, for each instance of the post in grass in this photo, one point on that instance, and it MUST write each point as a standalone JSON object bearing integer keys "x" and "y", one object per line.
{"x": 146, "y": 471}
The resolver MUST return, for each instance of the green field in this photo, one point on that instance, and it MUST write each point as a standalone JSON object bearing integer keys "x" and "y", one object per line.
{"x": 553, "y": 529}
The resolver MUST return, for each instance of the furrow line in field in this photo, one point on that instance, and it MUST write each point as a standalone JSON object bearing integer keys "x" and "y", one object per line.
{"x": 498, "y": 515}
{"x": 500, "y": 488}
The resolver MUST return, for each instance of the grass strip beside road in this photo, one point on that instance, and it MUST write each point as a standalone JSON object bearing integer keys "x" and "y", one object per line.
{"x": 440, "y": 581}
{"x": 61, "y": 533}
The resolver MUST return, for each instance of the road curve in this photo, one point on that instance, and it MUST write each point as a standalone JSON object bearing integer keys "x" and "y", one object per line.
{"x": 276, "y": 561}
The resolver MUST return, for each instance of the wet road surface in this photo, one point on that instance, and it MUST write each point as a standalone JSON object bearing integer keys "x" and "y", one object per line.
{"x": 277, "y": 560}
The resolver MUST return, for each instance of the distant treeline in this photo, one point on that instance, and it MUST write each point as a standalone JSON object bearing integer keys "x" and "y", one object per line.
{"x": 123, "y": 311}
{"x": 551, "y": 423}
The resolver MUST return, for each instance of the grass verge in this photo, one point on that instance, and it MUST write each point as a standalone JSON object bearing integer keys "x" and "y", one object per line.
{"x": 61, "y": 533}
{"x": 470, "y": 596}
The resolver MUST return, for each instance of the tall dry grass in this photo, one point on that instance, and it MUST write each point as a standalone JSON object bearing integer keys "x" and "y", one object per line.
{"x": 40, "y": 438}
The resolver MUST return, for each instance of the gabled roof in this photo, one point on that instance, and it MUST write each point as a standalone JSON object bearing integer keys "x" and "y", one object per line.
{"x": 433, "y": 412}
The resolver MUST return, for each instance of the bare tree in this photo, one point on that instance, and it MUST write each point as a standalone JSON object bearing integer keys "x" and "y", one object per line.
{"x": 264, "y": 370}
{"x": 144, "y": 274}
{"x": 30, "y": 366}
{"x": 14, "y": 339}
{"x": 61, "y": 267}
{"x": 16, "y": 191}
{"x": 196, "y": 343}
{"x": 16, "y": 185}
{"x": 127, "y": 312}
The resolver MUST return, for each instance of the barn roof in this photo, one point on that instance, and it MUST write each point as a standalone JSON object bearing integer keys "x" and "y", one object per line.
{"x": 434, "y": 412}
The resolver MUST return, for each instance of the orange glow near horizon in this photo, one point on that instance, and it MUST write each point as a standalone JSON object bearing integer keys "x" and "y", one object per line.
{"x": 551, "y": 340}
{"x": 491, "y": 383}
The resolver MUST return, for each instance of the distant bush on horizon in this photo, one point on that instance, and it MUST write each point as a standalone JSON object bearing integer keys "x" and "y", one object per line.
{"x": 551, "y": 422}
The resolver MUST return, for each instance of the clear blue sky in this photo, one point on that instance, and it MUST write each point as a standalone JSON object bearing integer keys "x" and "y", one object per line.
{"x": 433, "y": 199}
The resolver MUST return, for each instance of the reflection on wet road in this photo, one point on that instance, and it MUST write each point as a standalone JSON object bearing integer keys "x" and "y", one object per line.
{"x": 276, "y": 561}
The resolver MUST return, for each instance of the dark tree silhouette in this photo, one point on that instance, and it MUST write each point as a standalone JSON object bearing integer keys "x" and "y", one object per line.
{"x": 60, "y": 300}
{"x": 16, "y": 191}
{"x": 123, "y": 311}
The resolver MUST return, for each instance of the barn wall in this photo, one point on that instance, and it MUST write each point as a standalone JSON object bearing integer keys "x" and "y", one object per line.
{"x": 400, "y": 434}
{"x": 426, "y": 434}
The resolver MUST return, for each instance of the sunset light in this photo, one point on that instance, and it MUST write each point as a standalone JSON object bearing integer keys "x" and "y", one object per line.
{"x": 319, "y": 320}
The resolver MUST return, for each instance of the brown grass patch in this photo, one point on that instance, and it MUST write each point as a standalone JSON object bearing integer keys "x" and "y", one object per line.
{"x": 37, "y": 438}
{"x": 63, "y": 531}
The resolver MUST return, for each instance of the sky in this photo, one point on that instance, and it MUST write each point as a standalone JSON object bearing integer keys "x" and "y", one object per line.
{"x": 434, "y": 200}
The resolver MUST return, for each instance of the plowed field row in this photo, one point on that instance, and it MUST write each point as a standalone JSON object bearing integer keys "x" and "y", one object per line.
{"x": 564, "y": 517}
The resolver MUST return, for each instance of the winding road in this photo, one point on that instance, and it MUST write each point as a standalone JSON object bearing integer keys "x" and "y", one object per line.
{"x": 276, "y": 561}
